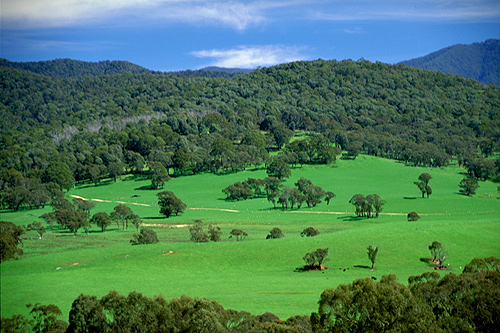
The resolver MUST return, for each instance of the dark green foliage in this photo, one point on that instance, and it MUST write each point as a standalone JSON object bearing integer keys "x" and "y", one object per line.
{"x": 413, "y": 216}
{"x": 170, "y": 204}
{"x": 158, "y": 174}
{"x": 439, "y": 254}
{"x": 309, "y": 232}
{"x": 417, "y": 117}
{"x": 279, "y": 169}
{"x": 123, "y": 215}
{"x": 368, "y": 306}
{"x": 482, "y": 265}
{"x": 275, "y": 233}
{"x": 214, "y": 233}
{"x": 423, "y": 184}
{"x": 315, "y": 259}
{"x": 43, "y": 319}
{"x": 468, "y": 186}
{"x": 197, "y": 233}
{"x": 36, "y": 226}
{"x": 102, "y": 220}
{"x": 372, "y": 255}
{"x": 146, "y": 236}
{"x": 10, "y": 239}
{"x": 66, "y": 68}
{"x": 365, "y": 206}
{"x": 238, "y": 234}
{"x": 87, "y": 315}
{"x": 477, "y": 61}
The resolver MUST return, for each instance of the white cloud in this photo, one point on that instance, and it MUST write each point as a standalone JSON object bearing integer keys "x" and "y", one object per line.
{"x": 421, "y": 10}
{"x": 60, "y": 13}
{"x": 252, "y": 56}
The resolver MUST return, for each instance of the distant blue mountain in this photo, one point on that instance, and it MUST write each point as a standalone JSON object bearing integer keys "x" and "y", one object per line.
{"x": 479, "y": 61}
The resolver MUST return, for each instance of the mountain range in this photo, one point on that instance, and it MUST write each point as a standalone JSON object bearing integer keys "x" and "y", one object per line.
{"x": 478, "y": 61}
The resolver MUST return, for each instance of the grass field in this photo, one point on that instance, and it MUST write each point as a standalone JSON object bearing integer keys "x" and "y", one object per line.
{"x": 255, "y": 275}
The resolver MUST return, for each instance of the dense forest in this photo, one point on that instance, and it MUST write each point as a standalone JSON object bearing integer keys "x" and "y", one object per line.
{"x": 57, "y": 131}
{"x": 478, "y": 61}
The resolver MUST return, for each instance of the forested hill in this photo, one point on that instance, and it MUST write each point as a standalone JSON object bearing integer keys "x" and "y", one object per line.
{"x": 66, "y": 68}
{"x": 195, "y": 124}
{"x": 479, "y": 61}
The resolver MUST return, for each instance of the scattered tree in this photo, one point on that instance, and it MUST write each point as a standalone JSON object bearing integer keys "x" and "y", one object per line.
{"x": 214, "y": 233}
{"x": 413, "y": 216}
{"x": 38, "y": 227}
{"x": 365, "y": 206}
{"x": 275, "y": 233}
{"x": 197, "y": 234}
{"x": 122, "y": 214}
{"x": 372, "y": 255}
{"x": 315, "y": 260}
{"x": 170, "y": 204}
{"x": 158, "y": 174}
{"x": 146, "y": 236}
{"x": 468, "y": 186}
{"x": 279, "y": 169}
{"x": 423, "y": 184}
{"x": 329, "y": 196}
{"x": 239, "y": 234}
{"x": 309, "y": 232}
{"x": 102, "y": 220}
{"x": 439, "y": 253}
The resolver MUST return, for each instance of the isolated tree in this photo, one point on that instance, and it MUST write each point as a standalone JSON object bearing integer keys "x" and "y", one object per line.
{"x": 239, "y": 234}
{"x": 316, "y": 259}
{"x": 413, "y": 216}
{"x": 309, "y": 232}
{"x": 468, "y": 186}
{"x": 423, "y": 184}
{"x": 439, "y": 253}
{"x": 102, "y": 220}
{"x": 146, "y": 236}
{"x": 170, "y": 204}
{"x": 372, "y": 255}
{"x": 275, "y": 233}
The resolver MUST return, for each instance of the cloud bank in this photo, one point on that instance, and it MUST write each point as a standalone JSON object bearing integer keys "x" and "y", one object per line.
{"x": 252, "y": 56}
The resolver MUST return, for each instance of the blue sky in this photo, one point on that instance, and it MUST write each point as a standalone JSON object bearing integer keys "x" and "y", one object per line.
{"x": 171, "y": 35}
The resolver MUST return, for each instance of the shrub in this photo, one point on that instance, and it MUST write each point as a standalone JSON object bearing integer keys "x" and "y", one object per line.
{"x": 275, "y": 233}
{"x": 239, "y": 234}
{"x": 412, "y": 216}
{"x": 309, "y": 232}
{"x": 146, "y": 236}
{"x": 197, "y": 234}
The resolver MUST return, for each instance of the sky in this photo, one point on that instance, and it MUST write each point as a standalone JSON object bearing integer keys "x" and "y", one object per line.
{"x": 173, "y": 35}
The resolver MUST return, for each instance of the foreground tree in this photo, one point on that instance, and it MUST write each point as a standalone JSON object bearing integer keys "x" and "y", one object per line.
{"x": 468, "y": 186}
{"x": 372, "y": 255}
{"x": 170, "y": 204}
{"x": 368, "y": 306}
{"x": 10, "y": 239}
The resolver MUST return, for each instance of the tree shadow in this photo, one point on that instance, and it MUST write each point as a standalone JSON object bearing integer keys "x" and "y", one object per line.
{"x": 144, "y": 188}
{"x": 410, "y": 198}
{"x": 153, "y": 217}
{"x": 362, "y": 266}
{"x": 351, "y": 218}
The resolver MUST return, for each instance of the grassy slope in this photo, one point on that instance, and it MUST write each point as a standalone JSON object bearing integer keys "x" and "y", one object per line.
{"x": 257, "y": 275}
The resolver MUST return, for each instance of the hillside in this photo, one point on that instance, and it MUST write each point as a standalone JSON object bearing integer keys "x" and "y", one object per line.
{"x": 478, "y": 61}
{"x": 89, "y": 125}
{"x": 66, "y": 68}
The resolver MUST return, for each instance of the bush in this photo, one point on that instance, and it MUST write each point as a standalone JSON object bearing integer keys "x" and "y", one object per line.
{"x": 197, "y": 234}
{"x": 146, "y": 236}
{"x": 275, "y": 233}
{"x": 412, "y": 216}
{"x": 309, "y": 232}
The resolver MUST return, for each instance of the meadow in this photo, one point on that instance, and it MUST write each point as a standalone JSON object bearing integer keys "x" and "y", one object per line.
{"x": 254, "y": 275}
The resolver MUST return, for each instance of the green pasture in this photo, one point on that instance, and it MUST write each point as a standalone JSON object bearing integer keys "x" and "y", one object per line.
{"x": 255, "y": 275}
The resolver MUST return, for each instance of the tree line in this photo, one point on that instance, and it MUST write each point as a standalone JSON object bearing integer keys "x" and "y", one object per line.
{"x": 465, "y": 302}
